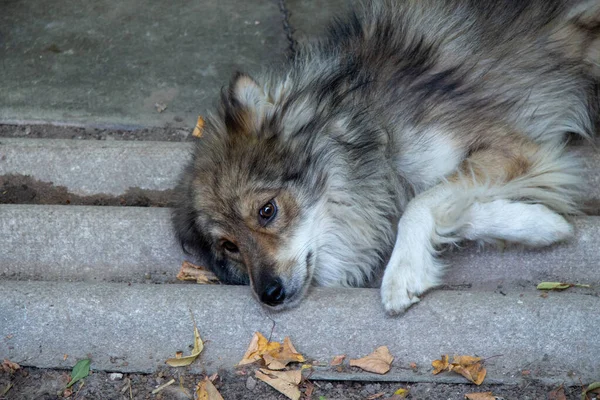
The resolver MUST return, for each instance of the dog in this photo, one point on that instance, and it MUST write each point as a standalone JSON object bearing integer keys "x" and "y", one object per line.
{"x": 410, "y": 126}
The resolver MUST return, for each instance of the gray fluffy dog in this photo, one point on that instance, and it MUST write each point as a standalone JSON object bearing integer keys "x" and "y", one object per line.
{"x": 411, "y": 125}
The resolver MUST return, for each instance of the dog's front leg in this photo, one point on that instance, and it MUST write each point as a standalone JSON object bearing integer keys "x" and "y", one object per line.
{"x": 413, "y": 268}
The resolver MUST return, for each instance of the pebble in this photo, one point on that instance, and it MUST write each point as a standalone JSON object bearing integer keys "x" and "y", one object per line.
{"x": 250, "y": 383}
{"x": 115, "y": 376}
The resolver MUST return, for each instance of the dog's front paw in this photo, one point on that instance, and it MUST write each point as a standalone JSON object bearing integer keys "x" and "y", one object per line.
{"x": 396, "y": 293}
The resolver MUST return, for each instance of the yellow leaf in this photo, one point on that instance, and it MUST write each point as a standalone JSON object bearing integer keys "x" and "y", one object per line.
{"x": 198, "y": 128}
{"x": 179, "y": 361}
{"x": 558, "y": 285}
{"x": 480, "y": 396}
{"x": 259, "y": 346}
{"x": 467, "y": 366}
{"x": 440, "y": 365}
{"x": 400, "y": 394}
{"x": 470, "y": 368}
{"x": 281, "y": 357}
{"x": 378, "y": 362}
{"x": 191, "y": 272}
{"x": 285, "y": 382}
{"x": 205, "y": 390}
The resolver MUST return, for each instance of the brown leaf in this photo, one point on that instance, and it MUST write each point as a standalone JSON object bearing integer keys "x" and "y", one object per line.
{"x": 440, "y": 365}
{"x": 378, "y": 361}
{"x": 376, "y": 396}
{"x": 337, "y": 360}
{"x": 480, "y": 396}
{"x": 557, "y": 394}
{"x": 469, "y": 367}
{"x": 180, "y": 361}
{"x": 205, "y": 390}
{"x": 259, "y": 346}
{"x": 191, "y": 272}
{"x": 9, "y": 366}
{"x": 413, "y": 365}
{"x": 278, "y": 359}
{"x": 285, "y": 382}
{"x": 198, "y": 129}
{"x": 310, "y": 387}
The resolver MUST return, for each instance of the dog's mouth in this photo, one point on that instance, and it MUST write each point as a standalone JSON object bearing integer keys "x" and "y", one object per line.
{"x": 295, "y": 288}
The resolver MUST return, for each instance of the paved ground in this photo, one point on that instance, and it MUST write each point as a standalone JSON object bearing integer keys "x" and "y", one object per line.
{"x": 103, "y": 63}
{"x": 97, "y": 281}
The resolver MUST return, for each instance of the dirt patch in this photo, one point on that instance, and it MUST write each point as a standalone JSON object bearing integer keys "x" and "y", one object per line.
{"x": 46, "y": 384}
{"x": 21, "y": 189}
{"x": 169, "y": 134}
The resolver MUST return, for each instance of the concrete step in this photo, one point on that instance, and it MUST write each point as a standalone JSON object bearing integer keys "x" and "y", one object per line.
{"x": 130, "y": 244}
{"x": 108, "y": 167}
{"x": 136, "y": 327}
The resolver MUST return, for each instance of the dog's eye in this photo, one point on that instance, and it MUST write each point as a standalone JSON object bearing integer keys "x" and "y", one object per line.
{"x": 229, "y": 246}
{"x": 267, "y": 212}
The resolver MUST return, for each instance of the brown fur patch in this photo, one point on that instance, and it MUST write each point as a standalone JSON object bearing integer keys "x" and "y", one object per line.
{"x": 499, "y": 160}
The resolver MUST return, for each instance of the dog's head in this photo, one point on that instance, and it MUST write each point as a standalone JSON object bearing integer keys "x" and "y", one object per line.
{"x": 248, "y": 199}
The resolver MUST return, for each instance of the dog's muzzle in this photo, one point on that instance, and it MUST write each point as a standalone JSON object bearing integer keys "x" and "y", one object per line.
{"x": 273, "y": 294}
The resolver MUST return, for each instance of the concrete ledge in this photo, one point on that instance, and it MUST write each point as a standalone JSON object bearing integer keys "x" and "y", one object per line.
{"x": 135, "y": 328}
{"x": 100, "y": 167}
{"x": 129, "y": 244}
{"x": 95, "y": 167}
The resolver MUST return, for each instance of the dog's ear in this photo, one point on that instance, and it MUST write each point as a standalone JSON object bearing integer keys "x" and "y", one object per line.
{"x": 245, "y": 105}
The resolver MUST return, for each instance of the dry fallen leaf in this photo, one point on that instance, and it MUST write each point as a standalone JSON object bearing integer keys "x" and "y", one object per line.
{"x": 160, "y": 107}
{"x": 180, "y": 361}
{"x": 198, "y": 128}
{"x": 480, "y": 396}
{"x": 376, "y": 396}
{"x": 592, "y": 388}
{"x": 191, "y": 272}
{"x": 378, "y": 361}
{"x": 440, "y": 365}
{"x": 205, "y": 390}
{"x": 285, "y": 382}
{"x": 337, "y": 360}
{"x": 310, "y": 388}
{"x": 9, "y": 366}
{"x": 280, "y": 358}
{"x": 259, "y": 346}
{"x": 557, "y": 394}
{"x": 469, "y": 367}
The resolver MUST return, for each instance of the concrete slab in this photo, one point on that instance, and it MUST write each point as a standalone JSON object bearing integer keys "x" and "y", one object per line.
{"x": 129, "y": 244}
{"x": 103, "y": 63}
{"x": 135, "y": 328}
{"x": 309, "y": 18}
{"x": 109, "y": 167}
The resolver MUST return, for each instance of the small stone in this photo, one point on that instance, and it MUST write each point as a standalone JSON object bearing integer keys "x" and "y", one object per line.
{"x": 115, "y": 376}
{"x": 250, "y": 383}
{"x": 328, "y": 386}
{"x": 370, "y": 389}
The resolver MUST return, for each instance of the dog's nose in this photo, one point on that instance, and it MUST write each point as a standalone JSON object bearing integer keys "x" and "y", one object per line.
{"x": 274, "y": 294}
